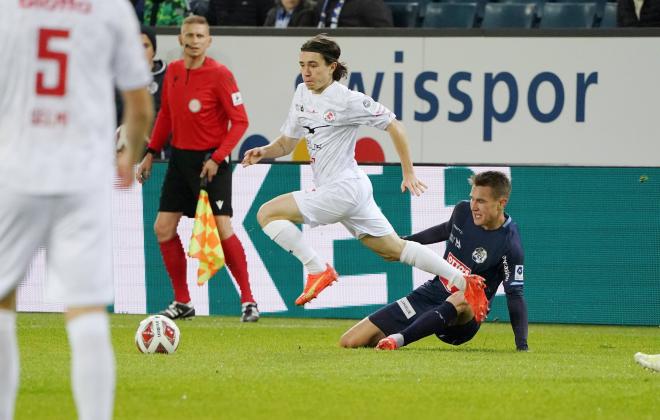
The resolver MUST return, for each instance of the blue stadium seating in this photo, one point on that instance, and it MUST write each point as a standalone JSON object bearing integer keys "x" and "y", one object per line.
{"x": 450, "y": 15}
{"x": 422, "y": 5}
{"x": 404, "y": 14}
{"x": 509, "y": 15}
{"x": 609, "y": 16}
{"x": 568, "y": 15}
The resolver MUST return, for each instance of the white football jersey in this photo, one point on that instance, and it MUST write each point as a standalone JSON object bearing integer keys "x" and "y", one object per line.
{"x": 330, "y": 121}
{"x": 57, "y": 108}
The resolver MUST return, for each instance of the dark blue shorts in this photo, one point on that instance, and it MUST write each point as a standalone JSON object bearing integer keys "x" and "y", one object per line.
{"x": 182, "y": 184}
{"x": 398, "y": 315}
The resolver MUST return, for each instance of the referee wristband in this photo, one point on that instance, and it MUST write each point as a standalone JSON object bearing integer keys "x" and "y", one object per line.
{"x": 152, "y": 151}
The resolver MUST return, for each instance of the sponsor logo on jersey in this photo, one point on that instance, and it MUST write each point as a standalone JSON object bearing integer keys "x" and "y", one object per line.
{"x": 519, "y": 273}
{"x": 453, "y": 239}
{"x": 329, "y": 116}
{"x": 505, "y": 265}
{"x": 479, "y": 255}
{"x": 456, "y": 228}
{"x": 80, "y": 6}
{"x": 237, "y": 99}
{"x": 455, "y": 262}
{"x": 194, "y": 105}
{"x": 406, "y": 307}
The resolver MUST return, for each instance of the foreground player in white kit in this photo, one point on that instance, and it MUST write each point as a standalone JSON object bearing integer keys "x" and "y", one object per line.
{"x": 56, "y": 173}
{"x": 328, "y": 115}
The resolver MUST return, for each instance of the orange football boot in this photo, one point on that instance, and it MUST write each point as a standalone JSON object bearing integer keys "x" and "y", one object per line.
{"x": 316, "y": 283}
{"x": 387, "y": 343}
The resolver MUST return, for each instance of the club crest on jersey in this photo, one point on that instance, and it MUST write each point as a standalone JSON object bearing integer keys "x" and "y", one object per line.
{"x": 366, "y": 103}
{"x": 479, "y": 255}
{"x": 329, "y": 116}
{"x": 236, "y": 98}
{"x": 194, "y": 105}
{"x": 153, "y": 87}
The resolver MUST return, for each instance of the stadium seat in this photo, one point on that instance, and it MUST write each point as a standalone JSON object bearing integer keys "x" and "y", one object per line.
{"x": 600, "y": 5}
{"x": 609, "y": 16}
{"x": 478, "y": 14}
{"x": 450, "y": 15}
{"x": 421, "y": 3}
{"x": 568, "y": 15}
{"x": 508, "y": 15}
{"x": 404, "y": 14}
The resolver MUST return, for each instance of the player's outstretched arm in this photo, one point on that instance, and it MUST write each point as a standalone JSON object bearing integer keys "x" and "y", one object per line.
{"x": 138, "y": 116}
{"x": 282, "y": 146}
{"x": 400, "y": 139}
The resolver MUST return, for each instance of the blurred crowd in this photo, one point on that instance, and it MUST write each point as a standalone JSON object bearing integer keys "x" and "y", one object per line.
{"x": 279, "y": 13}
{"x": 366, "y": 13}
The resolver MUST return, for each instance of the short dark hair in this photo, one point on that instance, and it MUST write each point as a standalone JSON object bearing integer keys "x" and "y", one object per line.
{"x": 496, "y": 180}
{"x": 151, "y": 34}
{"x": 330, "y": 51}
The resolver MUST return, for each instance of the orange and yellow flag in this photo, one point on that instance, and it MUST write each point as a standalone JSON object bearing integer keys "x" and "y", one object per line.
{"x": 205, "y": 242}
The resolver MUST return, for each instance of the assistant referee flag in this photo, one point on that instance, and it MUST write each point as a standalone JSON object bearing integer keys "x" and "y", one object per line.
{"x": 205, "y": 241}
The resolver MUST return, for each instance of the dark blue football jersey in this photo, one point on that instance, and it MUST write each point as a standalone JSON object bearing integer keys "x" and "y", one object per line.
{"x": 496, "y": 255}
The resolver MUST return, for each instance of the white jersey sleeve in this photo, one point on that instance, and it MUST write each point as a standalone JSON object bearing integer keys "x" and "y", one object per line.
{"x": 291, "y": 127}
{"x": 128, "y": 62}
{"x": 363, "y": 110}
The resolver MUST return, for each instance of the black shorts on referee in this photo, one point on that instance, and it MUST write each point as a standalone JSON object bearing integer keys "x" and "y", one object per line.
{"x": 396, "y": 316}
{"x": 181, "y": 187}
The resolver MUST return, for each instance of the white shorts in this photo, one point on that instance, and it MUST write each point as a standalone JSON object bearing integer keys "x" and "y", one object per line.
{"x": 349, "y": 202}
{"x": 75, "y": 230}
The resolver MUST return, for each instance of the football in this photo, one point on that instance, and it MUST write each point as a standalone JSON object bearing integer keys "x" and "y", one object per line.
{"x": 157, "y": 334}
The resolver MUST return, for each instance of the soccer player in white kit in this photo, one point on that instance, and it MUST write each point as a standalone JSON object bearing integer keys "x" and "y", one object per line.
{"x": 57, "y": 170}
{"x": 328, "y": 115}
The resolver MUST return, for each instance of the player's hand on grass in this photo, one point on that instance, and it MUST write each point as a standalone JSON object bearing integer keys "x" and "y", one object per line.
{"x": 252, "y": 156}
{"x": 144, "y": 169}
{"x": 412, "y": 184}
{"x": 209, "y": 170}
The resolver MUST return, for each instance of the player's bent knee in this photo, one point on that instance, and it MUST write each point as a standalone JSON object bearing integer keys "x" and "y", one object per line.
{"x": 264, "y": 215}
{"x": 458, "y": 300}
{"x": 163, "y": 231}
{"x": 349, "y": 342}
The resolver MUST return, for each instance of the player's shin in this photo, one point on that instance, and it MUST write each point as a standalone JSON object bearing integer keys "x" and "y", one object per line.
{"x": 286, "y": 234}
{"x": 425, "y": 259}
{"x": 9, "y": 363}
{"x": 429, "y": 323}
{"x": 92, "y": 365}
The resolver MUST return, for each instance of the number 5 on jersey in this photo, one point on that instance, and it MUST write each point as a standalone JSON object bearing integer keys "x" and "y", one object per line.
{"x": 61, "y": 59}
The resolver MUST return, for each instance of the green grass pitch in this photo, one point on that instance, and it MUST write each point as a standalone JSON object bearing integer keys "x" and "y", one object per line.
{"x": 284, "y": 368}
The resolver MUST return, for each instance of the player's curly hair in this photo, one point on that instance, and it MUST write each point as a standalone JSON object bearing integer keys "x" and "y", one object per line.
{"x": 330, "y": 51}
{"x": 496, "y": 180}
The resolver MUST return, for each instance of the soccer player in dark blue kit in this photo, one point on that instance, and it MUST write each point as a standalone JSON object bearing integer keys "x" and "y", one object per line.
{"x": 481, "y": 239}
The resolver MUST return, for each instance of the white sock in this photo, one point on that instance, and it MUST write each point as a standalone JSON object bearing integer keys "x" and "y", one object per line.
{"x": 9, "y": 363}
{"x": 287, "y": 235}
{"x": 92, "y": 366}
{"x": 425, "y": 259}
{"x": 398, "y": 338}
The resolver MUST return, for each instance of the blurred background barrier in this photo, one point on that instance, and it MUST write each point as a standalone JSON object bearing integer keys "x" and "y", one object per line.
{"x": 591, "y": 239}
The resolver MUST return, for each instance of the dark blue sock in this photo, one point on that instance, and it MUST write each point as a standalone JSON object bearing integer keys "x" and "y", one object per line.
{"x": 429, "y": 322}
